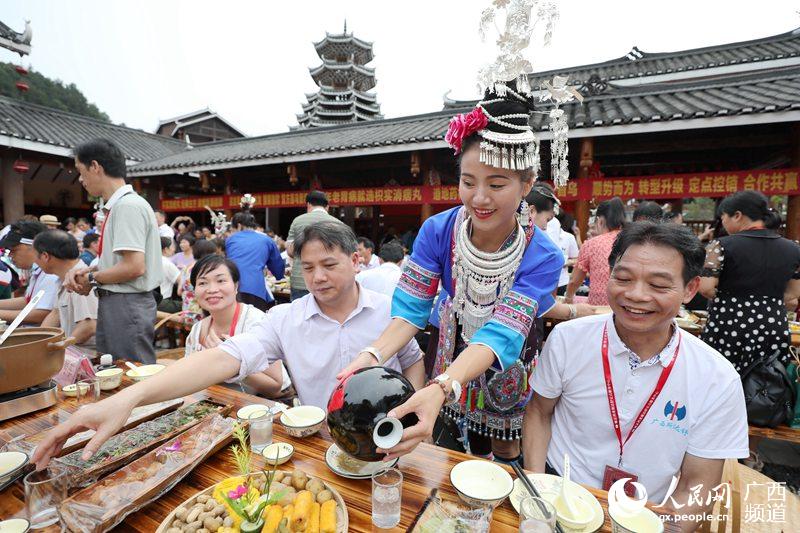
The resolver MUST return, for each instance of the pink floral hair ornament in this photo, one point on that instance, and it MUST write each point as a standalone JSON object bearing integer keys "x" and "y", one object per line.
{"x": 464, "y": 125}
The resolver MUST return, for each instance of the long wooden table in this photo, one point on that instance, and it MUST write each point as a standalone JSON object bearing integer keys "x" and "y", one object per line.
{"x": 426, "y": 468}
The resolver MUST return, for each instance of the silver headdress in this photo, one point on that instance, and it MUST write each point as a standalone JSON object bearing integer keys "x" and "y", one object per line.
{"x": 508, "y": 141}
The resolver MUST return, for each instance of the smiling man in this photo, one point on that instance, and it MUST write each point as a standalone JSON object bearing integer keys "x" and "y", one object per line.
{"x": 677, "y": 404}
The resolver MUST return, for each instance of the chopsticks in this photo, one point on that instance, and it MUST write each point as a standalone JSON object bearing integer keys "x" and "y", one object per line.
{"x": 529, "y": 487}
{"x": 434, "y": 492}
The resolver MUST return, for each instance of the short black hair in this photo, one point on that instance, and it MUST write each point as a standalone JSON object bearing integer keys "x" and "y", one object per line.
{"x": 613, "y": 212}
{"x": 648, "y": 211}
{"x": 567, "y": 221}
{"x": 669, "y": 216}
{"x": 107, "y": 154}
{"x": 243, "y": 218}
{"x": 70, "y": 220}
{"x": 332, "y": 235}
{"x": 186, "y": 237}
{"x": 392, "y": 252}
{"x": 366, "y": 243}
{"x": 679, "y": 238}
{"x": 83, "y": 219}
{"x": 57, "y": 243}
{"x": 89, "y": 239}
{"x": 211, "y": 262}
{"x": 165, "y": 243}
{"x": 542, "y": 198}
{"x": 752, "y": 204}
{"x": 317, "y": 198}
{"x": 202, "y": 248}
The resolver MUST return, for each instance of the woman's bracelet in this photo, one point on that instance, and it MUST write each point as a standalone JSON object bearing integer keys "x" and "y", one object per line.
{"x": 573, "y": 311}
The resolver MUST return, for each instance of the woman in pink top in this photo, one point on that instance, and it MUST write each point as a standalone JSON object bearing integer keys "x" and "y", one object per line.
{"x": 593, "y": 256}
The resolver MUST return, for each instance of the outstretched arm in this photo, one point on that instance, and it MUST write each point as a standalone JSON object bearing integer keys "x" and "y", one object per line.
{"x": 186, "y": 376}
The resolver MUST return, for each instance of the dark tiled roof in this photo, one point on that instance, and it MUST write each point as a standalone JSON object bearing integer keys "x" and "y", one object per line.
{"x": 759, "y": 92}
{"x": 638, "y": 63}
{"x": 41, "y": 124}
{"x": 378, "y": 133}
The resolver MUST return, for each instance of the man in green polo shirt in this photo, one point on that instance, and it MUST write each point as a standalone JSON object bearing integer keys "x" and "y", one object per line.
{"x": 129, "y": 265}
{"x": 316, "y": 211}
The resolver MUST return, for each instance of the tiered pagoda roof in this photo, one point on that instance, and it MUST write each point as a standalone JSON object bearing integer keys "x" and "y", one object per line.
{"x": 343, "y": 81}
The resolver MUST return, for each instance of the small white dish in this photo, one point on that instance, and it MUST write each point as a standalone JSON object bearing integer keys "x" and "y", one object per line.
{"x": 15, "y": 525}
{"x": 71, "y": 390}
{"x": 110, "y": 378}
{"x": 144, "y": 371}
{"x": 283, "y": 451}
{"x": 548, "y": 486}
{"x": 303, "y": 421}
{"x": 11, "y": 463}
{"x": 349, "y": 467}
{"x": 480, "y": 482}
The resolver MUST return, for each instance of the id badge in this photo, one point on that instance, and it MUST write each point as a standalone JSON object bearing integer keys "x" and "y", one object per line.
{"x": 612, "y": 474}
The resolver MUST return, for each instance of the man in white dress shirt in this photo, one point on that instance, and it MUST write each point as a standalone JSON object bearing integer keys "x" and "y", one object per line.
{"x": 676, "y": 406}
{"x": 384, "y": 278}
{"x": 163, "y": 229}
{"x": 366, "y": 253}
{"x": 316, "y": 336}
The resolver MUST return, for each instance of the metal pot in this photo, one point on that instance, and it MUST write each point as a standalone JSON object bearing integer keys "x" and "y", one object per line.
{"x": 31, "y": 356}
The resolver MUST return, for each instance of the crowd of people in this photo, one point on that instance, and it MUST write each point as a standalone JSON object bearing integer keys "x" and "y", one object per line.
{"x": 480, "y": 279}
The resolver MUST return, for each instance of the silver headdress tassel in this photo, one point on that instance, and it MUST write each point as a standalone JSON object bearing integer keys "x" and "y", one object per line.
{"x": 508, "y": 139}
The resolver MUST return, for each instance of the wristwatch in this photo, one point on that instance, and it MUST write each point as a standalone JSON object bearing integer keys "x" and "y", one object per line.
{"x": 92, "y": 281}
{"x": 452, "y": 392}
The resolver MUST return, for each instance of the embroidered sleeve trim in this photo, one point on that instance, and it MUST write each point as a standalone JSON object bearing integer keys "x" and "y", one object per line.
{"x": 516, "y": 312}
{"x": 418, "y": 282}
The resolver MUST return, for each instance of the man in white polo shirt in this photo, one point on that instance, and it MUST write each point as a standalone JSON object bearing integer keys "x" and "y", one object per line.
{"x": 677, "y": 404}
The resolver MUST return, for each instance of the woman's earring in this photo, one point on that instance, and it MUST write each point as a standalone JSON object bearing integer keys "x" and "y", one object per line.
{"x": 524, "y": 214}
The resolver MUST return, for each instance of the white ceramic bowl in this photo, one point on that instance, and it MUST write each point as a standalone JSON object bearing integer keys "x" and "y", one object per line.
{"x": 11, "y": 463}
{"x": 247, "y": 411}
{"x": 144, "y": 372}
{"x": 583, "y": 509}
{"x": 110, "y": 378}
{"x": 15, "y": 525}
{"x": 303, "y": 421}
{"x": 284, "y": 451}
{"x": 480, "y": 482}
{"x": 645, "y": 521}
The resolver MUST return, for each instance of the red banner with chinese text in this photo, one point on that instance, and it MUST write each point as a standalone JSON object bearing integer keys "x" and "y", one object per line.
{"x": 672, "y": 186}
{"x": 668, "y": 186}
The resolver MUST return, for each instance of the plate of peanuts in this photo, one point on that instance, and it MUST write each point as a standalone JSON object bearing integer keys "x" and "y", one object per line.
{"x": 298, "y": 502}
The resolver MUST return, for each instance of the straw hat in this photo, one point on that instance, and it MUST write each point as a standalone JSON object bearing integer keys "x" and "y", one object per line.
{"x": 49, "y": 220}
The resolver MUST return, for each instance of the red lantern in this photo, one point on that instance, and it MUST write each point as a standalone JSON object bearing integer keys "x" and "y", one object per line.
{"x": 21, "y": 70}
{"x": 23, "y": 87}
{"x": 21, "y": 167}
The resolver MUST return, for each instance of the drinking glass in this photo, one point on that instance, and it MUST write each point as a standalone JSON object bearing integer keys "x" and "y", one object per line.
{"x": 44, "y": 492}
{"x": 387, "y": 488}
{"x": 87, "y": 391}
{"x": 536, "y": 516}
{"x": 260, "y": 430}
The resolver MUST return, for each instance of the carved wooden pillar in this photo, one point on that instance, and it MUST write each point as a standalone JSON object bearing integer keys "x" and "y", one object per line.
{"x": 228, "y": 190}
{"x": 13, "y": 192}
{"x": 582, "y": 206}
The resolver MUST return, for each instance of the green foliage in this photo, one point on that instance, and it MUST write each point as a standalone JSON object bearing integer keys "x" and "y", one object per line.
{"x": 47, "y": 92}
{"x": 699, "y": 209}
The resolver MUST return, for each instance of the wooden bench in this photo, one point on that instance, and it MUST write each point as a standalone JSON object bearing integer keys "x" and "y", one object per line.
{"x": 785, "y": 433}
